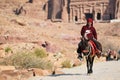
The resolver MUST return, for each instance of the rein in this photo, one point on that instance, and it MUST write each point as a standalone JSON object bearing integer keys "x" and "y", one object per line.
{"x": 89, "y": 52}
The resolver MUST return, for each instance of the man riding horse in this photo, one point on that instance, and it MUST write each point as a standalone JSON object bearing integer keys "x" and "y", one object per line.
{"x": 88, "y": 33}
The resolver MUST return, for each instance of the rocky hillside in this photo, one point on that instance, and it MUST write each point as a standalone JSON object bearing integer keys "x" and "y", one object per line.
{"x": 25, "y": 33}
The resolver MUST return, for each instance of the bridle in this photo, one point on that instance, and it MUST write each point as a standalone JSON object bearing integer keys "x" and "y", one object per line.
{"x": 90, "y": 46}
{"x": 89, "y": 52}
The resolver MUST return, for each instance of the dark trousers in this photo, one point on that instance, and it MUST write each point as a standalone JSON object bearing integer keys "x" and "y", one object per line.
{"x": 98, "y": 45}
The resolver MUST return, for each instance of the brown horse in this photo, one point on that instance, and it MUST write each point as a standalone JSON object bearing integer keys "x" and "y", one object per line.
{"x": 89, "y": 51}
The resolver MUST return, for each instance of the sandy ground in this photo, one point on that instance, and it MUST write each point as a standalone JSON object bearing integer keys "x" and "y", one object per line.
{"x": 102, "y": 71}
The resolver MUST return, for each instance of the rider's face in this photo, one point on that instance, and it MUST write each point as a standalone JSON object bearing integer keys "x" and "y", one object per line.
{"x": 89, "y": 23}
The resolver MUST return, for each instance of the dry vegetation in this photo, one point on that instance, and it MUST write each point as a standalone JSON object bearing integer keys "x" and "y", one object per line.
{"x": 21, "y": 38}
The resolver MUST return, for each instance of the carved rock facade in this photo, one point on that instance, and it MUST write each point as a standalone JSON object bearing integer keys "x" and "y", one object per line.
{"x": 79, "y": 10}
{"x": 96, "y": 9}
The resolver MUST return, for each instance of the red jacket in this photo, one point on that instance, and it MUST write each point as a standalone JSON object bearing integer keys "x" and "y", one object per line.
{"x": 92, "y": 31}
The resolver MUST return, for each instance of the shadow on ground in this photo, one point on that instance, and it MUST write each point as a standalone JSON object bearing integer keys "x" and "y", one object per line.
{"x": 55, "y": 75}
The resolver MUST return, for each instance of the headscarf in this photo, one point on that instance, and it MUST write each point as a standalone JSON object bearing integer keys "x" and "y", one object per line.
{"x": 90, "y": 20}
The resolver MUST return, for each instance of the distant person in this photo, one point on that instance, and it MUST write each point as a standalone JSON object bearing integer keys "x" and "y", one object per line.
{"x": 29, "y": 1}
{"x": 88, "y": 32}
{"x": 108, "y": 55}
{"x": 20, "y": 10}
{"x": 112, "y": 55}
{"x": 49, "y": 47}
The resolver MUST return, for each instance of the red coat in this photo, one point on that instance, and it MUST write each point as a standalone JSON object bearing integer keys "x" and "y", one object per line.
{"x": 92, "y": 32}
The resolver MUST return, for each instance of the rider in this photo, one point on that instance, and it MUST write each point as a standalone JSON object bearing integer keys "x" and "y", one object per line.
{"x": 88, "y": 32}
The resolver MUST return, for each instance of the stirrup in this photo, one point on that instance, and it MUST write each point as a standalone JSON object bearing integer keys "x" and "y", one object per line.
{"x": 80, "y": 57}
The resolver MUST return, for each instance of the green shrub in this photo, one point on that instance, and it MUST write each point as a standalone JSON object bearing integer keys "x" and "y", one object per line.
{"x": 27, "y": 60}
{"x": 66, "y": 64}
{"x": 7, "y": 49}
{"x": 40, "y": 53}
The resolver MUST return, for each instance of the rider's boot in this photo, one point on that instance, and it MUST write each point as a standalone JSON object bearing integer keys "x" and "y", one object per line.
{"x": 80, "y": 56}
{"x": 98, "y": 52}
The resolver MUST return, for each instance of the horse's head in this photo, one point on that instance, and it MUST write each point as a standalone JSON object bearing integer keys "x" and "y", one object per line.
{"x": 84, "y": 42}
{"x": 90, "y": 48}
{"x": 85, "y": 46}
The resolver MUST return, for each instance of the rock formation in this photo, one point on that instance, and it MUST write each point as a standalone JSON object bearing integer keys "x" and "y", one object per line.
{"x": 117, "y": 10}
{"x": 64, "y": 10}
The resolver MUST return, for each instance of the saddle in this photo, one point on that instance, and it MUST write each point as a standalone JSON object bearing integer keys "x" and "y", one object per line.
{"x": 95, "y": 50}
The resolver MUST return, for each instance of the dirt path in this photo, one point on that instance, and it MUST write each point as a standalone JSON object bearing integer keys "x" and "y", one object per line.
{"x": 102, "y": 71}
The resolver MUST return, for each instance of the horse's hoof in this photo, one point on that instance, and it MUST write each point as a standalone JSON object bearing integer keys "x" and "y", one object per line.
{"x": 53, "y": 73}
{"x": 89, "y": 72}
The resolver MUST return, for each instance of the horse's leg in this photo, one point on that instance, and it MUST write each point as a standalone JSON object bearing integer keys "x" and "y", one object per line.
{"x": 91, "y": 64}
{"x": 88, "y": 64}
